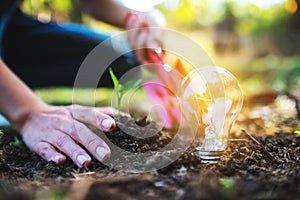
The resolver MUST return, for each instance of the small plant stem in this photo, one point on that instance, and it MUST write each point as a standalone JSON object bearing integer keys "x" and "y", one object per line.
{"x": 262, "y": 147}
{"x": 252, "y": 138}
{"x": 122, "y": 89}
{"x": 119, "y": 105}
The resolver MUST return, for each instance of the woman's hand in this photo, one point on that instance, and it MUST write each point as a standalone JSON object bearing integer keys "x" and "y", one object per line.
{"x": 56, "y": 131}
{"x": 143, "y": 32}
{"x": 140, "y": 24}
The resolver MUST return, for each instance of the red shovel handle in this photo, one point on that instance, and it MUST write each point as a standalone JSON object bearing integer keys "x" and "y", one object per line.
{"x": 155, "y": 57}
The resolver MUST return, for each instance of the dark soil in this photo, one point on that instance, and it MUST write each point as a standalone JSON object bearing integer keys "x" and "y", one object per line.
{"x": 256, "y": 165}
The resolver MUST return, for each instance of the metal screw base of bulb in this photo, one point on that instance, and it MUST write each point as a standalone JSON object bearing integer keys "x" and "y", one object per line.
{"x": 209, "y": 157}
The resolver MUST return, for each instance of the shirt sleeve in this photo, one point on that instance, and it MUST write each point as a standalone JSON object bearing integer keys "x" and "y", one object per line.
{"x": 7, "y": 7}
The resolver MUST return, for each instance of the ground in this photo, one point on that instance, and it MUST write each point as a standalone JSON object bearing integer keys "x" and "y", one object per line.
{"x": 261, "y": 162}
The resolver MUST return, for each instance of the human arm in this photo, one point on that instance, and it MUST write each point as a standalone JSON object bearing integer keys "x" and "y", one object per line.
{"x": 108, "y": 11}
{"x": 49, "y": 130}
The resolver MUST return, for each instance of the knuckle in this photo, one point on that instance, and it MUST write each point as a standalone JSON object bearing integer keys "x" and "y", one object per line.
{"x": 74, "y": 132}
{"x": 65, "y": 112}
{"x": 72, "y": 129}
{"x": 57, "y": 121}
{"x": 75, "y": 152}
{"x": 69, "y": 127}
{"x": 43, "y": 150}
{"x": 110, "y": 109}
{"x": 93, "y": 143}
{"x": 79, "y": 128}
{"x": 75, "y": 107}
{"x": 61, "y": 141}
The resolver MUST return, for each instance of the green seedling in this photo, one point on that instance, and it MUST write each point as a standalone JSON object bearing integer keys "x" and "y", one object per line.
{"x": 227, "y": 184}
{"x": 17, "y": 141}
{"x": 297, "y": 132}
{"x": 1, "y": 133}
{"x": 122, "y": 89}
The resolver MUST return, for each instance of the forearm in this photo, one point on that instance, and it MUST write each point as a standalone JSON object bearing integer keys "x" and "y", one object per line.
{"x": 108, "y": 11}
{"x": 17, "y": 100}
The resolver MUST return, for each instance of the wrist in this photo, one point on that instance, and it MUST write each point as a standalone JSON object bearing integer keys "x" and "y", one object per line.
{"x": 22, "y": 114}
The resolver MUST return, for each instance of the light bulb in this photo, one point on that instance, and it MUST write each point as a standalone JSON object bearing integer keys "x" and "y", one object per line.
{"x": 211, "y": 98}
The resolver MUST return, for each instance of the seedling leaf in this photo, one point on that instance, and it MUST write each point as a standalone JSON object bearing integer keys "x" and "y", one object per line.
{"x": 228, "y": 185}
{"x": 297, "y": 132}
{"x": 122, "y": 89}
{"x": 114, "y": 78}
{"x": 17, "y": 141}
{"x": 132, "y": 84}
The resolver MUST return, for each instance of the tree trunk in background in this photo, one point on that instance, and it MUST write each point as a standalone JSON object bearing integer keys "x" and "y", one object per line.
{"x": 75, "y": 12}
{"x": 225, "y": 38}
{"x": 295, "y": 19}
{"x": 292, "y": 33}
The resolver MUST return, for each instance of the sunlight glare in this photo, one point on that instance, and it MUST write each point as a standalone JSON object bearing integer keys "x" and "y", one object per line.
{"x": 141, "y": 5}
{"x": 291, "y": 6}
{"x": 265, "y": 3}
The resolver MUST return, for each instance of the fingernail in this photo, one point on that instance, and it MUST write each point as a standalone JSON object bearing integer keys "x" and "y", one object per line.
{"x": 57, "y": 158}
{"x": 107, "y": 123}
{"x": 82, "y": 159}
{"x": 101, "y": 152}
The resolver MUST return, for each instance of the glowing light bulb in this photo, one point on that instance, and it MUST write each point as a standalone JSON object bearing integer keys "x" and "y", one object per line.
{"x": 211, "y": 98}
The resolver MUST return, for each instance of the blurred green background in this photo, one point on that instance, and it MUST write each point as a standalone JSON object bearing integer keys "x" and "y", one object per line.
{"x": 258, "y": 40}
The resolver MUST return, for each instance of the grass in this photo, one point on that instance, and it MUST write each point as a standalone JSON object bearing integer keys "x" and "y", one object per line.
{"x": 65, "y": 96}
{"x": 133, "y": 101}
